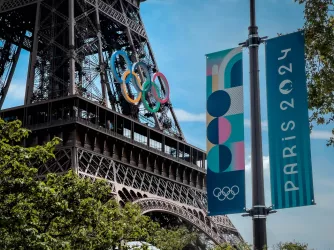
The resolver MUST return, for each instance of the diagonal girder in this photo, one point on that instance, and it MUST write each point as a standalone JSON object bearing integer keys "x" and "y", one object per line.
{"x": 153, "y": 204}
{"x": 119, "y": 17}
{"x": 9, "y": 5}
{"x": 8, "y": 62}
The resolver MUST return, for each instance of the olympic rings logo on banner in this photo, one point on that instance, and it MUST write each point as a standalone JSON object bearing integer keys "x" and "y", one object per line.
{"x": 226, "y": 192}
{"x": 148, "y": 86}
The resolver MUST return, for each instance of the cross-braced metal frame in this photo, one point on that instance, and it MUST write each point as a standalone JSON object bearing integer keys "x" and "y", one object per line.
{"x": 152, "y": 193}
{"x": 71, "y": 93}
{"x": 71, "y": 43}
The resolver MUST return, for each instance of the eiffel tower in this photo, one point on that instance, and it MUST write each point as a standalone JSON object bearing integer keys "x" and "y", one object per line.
{"x": 72, "y": 93}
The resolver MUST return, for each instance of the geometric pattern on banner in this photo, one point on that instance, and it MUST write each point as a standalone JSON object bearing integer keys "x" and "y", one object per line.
{"x": 225, "y": 132}
{"x": 236, "y": 95}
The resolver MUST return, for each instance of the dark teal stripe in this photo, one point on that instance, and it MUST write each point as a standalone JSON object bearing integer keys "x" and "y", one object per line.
{"x": 293, "y": 196}
{"x": 280, "y": 193}
{"x": 300, "y": 180}
{"x": 208, "y": 86}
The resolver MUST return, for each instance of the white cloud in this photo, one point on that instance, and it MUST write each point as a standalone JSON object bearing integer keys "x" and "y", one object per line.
{"x": 265, "y": 160}
{"x": 264, "y": 124}
{"x": 16, "y": 90}
{"x": 321, "y": 134}
{"x": 316, "y": 134}
{"x": 185, "y": 116}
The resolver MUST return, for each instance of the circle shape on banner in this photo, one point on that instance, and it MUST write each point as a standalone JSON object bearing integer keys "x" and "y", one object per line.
{"x": 113, "y": 66}
{"x": 219, "y": 130}
{"x": 218, "y": 103}
{"x": 219, "y": 158}
{"x": 136, "y": 84}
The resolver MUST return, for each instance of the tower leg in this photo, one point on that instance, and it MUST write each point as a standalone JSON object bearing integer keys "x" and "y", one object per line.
{"x": 104, "y": 82}
{"x": 5, "y": 88}
{"x": 71, "y": 46}
{"x": 32, "y": 60}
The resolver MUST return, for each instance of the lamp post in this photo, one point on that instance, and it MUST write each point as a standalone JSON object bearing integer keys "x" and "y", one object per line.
{"x": 258, "y": 211}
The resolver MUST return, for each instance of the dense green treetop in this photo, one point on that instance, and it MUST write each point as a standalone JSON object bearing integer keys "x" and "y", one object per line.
{"x": 64, "y": 211}
{"x": 319, "y": 38}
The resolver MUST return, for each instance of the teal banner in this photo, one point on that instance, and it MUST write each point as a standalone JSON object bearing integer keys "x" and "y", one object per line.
{"x": 288, "y": 124}
{"x": 225, "y": 132}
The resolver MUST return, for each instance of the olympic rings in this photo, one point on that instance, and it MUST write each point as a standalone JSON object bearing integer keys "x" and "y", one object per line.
{"x": 145, "y": 102}
{"x": 125, "y": 92}
{"x": 227, "y": 192}
{"x": 148, "y": 88}
{"x": 144, "y": 68}
{"x": 166, "y": 87}
{"x": 113, "y": 66}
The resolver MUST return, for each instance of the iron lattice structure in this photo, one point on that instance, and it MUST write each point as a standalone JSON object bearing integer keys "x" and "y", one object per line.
{"x": 71, "y": 93}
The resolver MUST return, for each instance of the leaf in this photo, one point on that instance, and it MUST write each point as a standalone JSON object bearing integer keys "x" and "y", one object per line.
{"x": 64, "y": 211}
{"x": 319, "y": 41}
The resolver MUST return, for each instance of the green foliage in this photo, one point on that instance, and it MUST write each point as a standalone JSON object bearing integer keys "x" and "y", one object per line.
{"x": 319, "y": 35}
{"x": 226, "y": 246}
{"x": 292, "y": 246}
{"x": 173, "y": 239}
{"x": 64, "y": 211}
{"x": 199, "y": 242}
{"x": 280, "y": 246}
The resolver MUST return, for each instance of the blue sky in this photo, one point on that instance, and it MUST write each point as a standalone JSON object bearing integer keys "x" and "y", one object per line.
{"x": 181, "y": 32}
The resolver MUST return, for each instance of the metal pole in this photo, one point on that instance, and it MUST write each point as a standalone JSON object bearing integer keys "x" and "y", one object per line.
{"x": 12, "y": 71}
{"x": 71, "y": 37}
{"x": 259, "y": 211}
{"x": 104, "y": 82}
{"x": 33, "y": 58}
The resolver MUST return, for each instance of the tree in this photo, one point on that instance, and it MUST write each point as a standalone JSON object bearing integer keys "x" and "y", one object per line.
{"x": 200, "y": 242}
{"x": 64, "y": 211}
{"x": 227, "y": 246}
{"x": 17, "y": 181}
{"x": 319, "y": 39}
{"x": 292, "y": 246}
{"x": 224, "y": 247}
{"x": 172, "y": 239}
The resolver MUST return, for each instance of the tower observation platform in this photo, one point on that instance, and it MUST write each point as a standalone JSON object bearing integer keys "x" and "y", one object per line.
{"x": 72, "y": 93}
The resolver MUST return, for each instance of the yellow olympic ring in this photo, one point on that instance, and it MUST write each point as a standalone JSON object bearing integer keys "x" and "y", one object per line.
{"x": 124, "y": 90}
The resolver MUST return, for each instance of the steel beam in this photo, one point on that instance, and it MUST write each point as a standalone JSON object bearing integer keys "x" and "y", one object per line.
{"x": 11, "y": 73}
{"x": 71, "y": 46}
{"x": 33, "y": 56}
{"x": 104, "y": 82}
{"x": 9, "y": 5}
{"x": 118, "y": 17}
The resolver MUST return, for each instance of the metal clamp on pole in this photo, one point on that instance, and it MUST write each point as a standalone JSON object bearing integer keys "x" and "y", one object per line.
{"x": 253, "y": 41}
{"x": 258, "y": 212}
